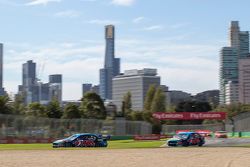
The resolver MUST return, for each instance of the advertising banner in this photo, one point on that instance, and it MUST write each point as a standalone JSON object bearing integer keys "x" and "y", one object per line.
{"x": 190, "y": 115}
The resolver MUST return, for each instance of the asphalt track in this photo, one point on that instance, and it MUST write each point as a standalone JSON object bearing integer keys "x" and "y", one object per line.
{"x": 215, "y": 153}
{"x": 226, "y": 142}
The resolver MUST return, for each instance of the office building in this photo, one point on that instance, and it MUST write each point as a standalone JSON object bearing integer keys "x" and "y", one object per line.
{"x": 244, "y": 81}
{"x": 210, "y": 96}
{"x": 174, "y": 97}
{"x": 228, "y": 69}
{"x": 34, "y": 90}
{"x": 2, "y": 92}
{"x": 137, "y": 82}
{"x": 55, "y": 87}
{"x": 231, "y": 92}
{"x": 229, "y": 57}
{"x": 29, "y": 89}
{"x": 86, "y": 88}
{"x": 111, "y": 64}
{"x": 89, "y": 88}
{"x": 95, "y": 89}
{"x": 43, "y": 93}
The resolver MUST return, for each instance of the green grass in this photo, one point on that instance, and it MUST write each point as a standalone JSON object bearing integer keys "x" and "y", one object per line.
{"x": 135, "y": 144}
{"x": 119, "y": 144}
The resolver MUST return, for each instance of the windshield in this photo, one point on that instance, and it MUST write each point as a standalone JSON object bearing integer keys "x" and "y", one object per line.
{"x": 181, "y": 136}
{"x": 73, "y": 137}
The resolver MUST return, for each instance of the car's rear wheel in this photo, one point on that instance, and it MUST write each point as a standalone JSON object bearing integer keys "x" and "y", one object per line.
{"x": 200, "y": 144}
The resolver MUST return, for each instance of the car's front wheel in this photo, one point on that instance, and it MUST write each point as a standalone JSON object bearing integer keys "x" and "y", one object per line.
{"x": 68, "y": 145}
{"x": 185, "y": 143}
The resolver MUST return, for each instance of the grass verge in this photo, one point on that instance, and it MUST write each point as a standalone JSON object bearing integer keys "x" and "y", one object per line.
{"x": 119, "y": 144}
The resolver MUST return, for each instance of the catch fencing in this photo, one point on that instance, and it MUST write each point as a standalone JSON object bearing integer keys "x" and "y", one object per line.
{"x": 29, "y": 126}
{"x": 173, "y": 128}
{"x": 241, "y": 123}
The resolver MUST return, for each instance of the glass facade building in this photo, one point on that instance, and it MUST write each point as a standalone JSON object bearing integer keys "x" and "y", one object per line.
{"x": 34, "y": 90}
{"x": 229, "y": 58}
{"x": 2, "y": 92}
{"x": 111, "y": 64}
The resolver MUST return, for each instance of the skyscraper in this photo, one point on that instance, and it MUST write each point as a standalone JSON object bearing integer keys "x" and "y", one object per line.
{"x": 86, "y": 88}
{"x": 2, "y": 92}
{"x": 34, "y": 90}
{"x": 244, "y": 81}
{"x": 228, "y": 69}
{"x": 111, "y": 64}
{"x": 55, "y": 87}
{"x": 229, "y": 58}
{"x": 29, "y": 88}
{"x": 29, "y": 73}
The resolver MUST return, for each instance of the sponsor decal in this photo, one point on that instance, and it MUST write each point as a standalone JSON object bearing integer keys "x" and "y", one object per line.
{"x": 84, "y": 143}
{"x": 190, "y": 115}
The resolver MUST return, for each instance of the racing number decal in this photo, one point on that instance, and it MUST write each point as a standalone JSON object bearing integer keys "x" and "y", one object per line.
{"x": 84, "y": 143}
{"x": 78, "y": 143}
{"x": 88, "y": 143}
{"x": 194, "y": 141}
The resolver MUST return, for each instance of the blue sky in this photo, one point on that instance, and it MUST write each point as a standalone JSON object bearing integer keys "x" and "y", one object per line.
{"x": 181, "y": 38}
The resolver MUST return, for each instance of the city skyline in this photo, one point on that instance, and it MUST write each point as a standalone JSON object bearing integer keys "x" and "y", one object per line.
{"x": 65, "y": 37}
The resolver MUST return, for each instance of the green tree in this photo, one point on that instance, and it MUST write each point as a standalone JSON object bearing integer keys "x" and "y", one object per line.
{"x": 71, "y": 111}
{"x": 192, "y": 106}
{"x": 92, "y": 106}
{"x": 233, "y": 109}
{"x": 126, "y": 105}
{"x": 159, "y": 101}
{"x": 149, "y": 98}
{"x": 18, "y": 106}
{"x": 37, "y": 110}
{"x": 127, "y": 101}
{"x": 4, "y": 106}
{"x": 54, "y": 109}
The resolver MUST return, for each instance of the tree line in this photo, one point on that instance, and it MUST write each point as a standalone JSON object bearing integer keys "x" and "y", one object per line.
{"x": 91, "y": 107}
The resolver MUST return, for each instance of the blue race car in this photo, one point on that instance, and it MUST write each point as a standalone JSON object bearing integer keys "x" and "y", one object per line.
{"x": 82, "y": 140}
{"x": 186, "y": 139}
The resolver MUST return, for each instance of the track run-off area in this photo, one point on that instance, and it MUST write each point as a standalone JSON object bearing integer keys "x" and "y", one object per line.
{"x": 215, "y": 153}
{"x": 179, "y": 157}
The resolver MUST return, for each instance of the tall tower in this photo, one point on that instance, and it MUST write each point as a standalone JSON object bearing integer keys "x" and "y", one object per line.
{"x": 2, "y": 92}
{"x": 111, "y": 64}
{"x": 229, "y": 60}
{"x": 234, "y": 34}
{"x": 239, "y": 40}
{"x": 29, "y": 88}
{"x": 29, "y": 73}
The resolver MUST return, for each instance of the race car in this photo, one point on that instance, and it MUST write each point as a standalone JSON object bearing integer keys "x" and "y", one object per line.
{"x": 220, "y": 134}
{"x": 82, "y": 140}
{"x": 186, "y": 139}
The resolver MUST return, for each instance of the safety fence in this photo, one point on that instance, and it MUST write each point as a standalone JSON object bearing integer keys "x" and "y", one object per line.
{"x": 44, "y": 128}
{"x": 170, "y": 129}
{"x": 241, "y": 122}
